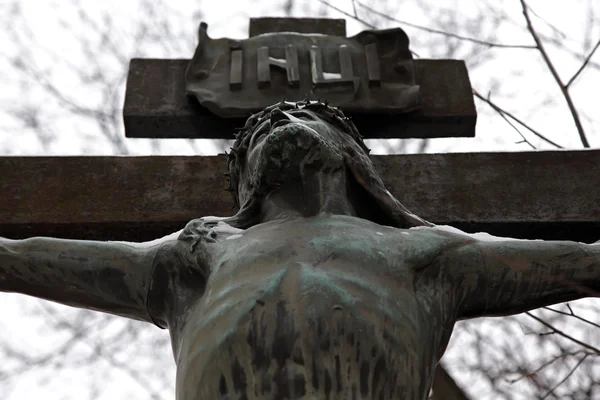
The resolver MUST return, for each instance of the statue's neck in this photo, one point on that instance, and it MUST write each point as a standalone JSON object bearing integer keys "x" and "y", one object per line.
{"x": 312, "y": 195}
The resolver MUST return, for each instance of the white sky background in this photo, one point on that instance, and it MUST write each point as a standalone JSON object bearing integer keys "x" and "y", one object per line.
{"x": 516, "y": 79}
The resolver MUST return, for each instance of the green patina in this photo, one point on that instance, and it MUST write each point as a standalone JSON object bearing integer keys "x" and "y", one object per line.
{"x": 352, "y": 248}
{"x": 274, "y": 282}
{"x": 356, "y": 250}
{"x": 315, "y": 278}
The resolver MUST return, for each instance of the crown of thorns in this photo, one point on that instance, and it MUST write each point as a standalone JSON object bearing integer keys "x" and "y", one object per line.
{"x": 332, "y": 115}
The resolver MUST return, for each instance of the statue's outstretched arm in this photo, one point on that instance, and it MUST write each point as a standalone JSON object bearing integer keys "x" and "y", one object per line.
{"x": 112, "y": 277}
{"x": 494, "y": 276}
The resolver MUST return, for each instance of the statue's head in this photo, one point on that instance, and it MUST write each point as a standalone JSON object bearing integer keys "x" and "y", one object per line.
{"x": 285, "y": 142}
{"x": 277, "y": 143}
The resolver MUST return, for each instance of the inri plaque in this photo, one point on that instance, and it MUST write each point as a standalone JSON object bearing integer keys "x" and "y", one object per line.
{"x": 371, "y": 72}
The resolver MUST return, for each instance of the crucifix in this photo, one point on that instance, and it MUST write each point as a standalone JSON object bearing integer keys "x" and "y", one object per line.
{"x": 319, "y": 282}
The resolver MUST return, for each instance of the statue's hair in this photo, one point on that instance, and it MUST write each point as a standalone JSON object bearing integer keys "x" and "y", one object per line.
{"x": 332, "y": 115}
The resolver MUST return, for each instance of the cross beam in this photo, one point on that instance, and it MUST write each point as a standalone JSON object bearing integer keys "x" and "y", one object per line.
{"x": 324, "y": 26}
{"x": 544, "y": 195}
{"x": 156, "y": 105}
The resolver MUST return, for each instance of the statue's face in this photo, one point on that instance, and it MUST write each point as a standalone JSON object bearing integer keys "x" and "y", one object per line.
{"x": 287, "y": 146}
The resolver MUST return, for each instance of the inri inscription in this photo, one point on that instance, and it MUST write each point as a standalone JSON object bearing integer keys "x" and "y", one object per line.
{"x": 370, "y": 72}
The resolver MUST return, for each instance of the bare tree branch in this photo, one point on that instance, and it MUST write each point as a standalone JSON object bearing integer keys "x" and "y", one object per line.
{"x": 79, "y": 336}
{"x": 573, "y": 315}
{"x": 560, "y": 44}
{"x": 354, "y": 9}
{"x": 552, "y": 360}
{"x": 445, "y": 33}
{"x": 505, "y": 118}
{"x": 347, "y": 14}
{"x": 559, "y": 332}
{"x": 563, "y": 88}
{"x": 551, "y": 391}
{"x": 420, "y": 27}
{"x": 585, "y": 64}
{"x": 502, "y": 111}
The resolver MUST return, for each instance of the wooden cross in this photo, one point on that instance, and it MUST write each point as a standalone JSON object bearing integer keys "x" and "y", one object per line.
{"x": 547, "y": 195}
{"x": 527, "y": 194}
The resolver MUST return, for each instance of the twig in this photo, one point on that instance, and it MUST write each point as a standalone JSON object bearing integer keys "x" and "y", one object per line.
{"x": 573, "y": 315}
{"x": 547, "y": 363}
{"x": 440, "y": 32}
{"x": 420, "y": 27}
{"x": 563, "y": 88}
{"x": 356, "y": 18}
{"x": 560, "y": 45}
{"x": 563, "y": 334}
{"x": 134, "y": 374}
{"x": 565, "y": 378}
{"x": 354, "y": 8}
{"x": 585, "y": 63}
{"x": 501, "y": 111}
{"x": 554, "y": 29}
{"x": 505, "y": 118}
{"x": 569, "y": 307}
{"x": 347, "y": 14}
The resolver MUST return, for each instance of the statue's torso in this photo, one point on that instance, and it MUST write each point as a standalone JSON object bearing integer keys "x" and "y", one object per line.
{"x": 318, "y": 308}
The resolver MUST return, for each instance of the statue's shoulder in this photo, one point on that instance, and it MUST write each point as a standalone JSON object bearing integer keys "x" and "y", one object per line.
{"x": 439, "y": 239}
{"x": 207, "y": 230}
{"x": 179, "y": 248}
{"x": 180, "y": 258}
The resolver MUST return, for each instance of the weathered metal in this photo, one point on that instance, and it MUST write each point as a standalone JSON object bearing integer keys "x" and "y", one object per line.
{"x": 294, "y": 66}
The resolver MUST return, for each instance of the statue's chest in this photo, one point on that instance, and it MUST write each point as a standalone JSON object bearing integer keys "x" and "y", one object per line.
{"x": 313, "y": 307}
{"x": 320, "y": 245}
{"x": 339, "y": 264}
